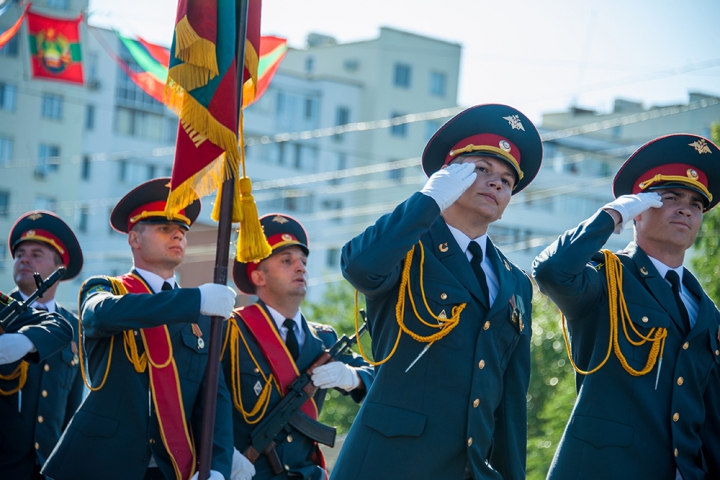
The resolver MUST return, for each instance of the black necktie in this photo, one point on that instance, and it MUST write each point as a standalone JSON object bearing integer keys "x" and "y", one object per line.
{"x": 672, "y": 277}
{"x": 166, "y": 286}
{"x": 291, "y": 340}
{"x": 476, "y": 264}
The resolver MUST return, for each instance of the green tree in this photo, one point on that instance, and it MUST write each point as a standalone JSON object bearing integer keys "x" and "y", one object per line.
{"x": 706, "y": 263}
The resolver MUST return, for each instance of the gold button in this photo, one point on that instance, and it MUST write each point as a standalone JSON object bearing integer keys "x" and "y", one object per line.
{"x": 487, "y": 325}
{"x": 135, "y": 332}
{"x": 47, "y": 367}
{"x": 680, "y": 380}
{"x": 676, "y": 417}
{"x": 470, "y": 442}
{"x": 443, "y": 296}
{"x": 287, "y": 467}
{"x": 686, "y": 345}
{"x": 644, "y": 319}
{"x": 476, "y": 403}
{"x": 717, "y": 352}
{"x": 676, "y": 452}
{"x": 40, "y": 419}
{"x": 152, "y": 441}
{"x": 257, "y": 370}
{"x": 289, "y": 438}
{"x": 73, "y": 362}
{"x": 44, "y": 393}
{"x": 481, "y": 364}
{"x": 37, "y": 446}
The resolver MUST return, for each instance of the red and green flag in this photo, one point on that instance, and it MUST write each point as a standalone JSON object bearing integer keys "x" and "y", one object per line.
{"x": 8, "y": 34}
{"x": 272, "y": 52}
{"x": 202, "y": 89}
{"x": 55, "y": 48}
{"x": 153, "y": 61}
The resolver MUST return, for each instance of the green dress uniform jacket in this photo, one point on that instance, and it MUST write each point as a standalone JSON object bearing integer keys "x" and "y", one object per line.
{"x": 52, "y": 393}
{"x": 115, "y": 431}
{"x": 623, "y": 426}
{"x": 460, "y": 411}
{"x": 294, "y": 449}
{"x": 50, "y": 333}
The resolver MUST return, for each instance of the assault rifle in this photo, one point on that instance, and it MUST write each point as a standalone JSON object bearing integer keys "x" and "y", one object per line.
{"x": 15, "y": 308}
{"x": 287, "y": 412}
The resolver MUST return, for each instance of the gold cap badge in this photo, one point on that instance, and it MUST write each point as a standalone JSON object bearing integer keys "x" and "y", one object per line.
{"x": 279, "y": 219}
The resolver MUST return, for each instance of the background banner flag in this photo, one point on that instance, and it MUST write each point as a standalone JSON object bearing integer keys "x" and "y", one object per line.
{"x": 55, "y": 48}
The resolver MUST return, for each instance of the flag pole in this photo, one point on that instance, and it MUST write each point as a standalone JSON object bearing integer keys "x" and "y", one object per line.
{"x": 220, "y": 276}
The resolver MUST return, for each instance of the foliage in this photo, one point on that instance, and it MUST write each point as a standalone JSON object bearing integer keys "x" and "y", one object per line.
{"x": 706, "y": 263}
{"x": 552, "y": 385}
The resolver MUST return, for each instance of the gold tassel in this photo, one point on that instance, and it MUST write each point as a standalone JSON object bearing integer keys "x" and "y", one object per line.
{"x": 252, "y": 244}
{"x": 237, "y": 212}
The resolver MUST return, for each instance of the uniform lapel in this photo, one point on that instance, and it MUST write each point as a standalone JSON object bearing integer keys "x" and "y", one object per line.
{"x": 505, "y": 277}
{"x": 655, "y": 284}
{"x": 446, "y": 249}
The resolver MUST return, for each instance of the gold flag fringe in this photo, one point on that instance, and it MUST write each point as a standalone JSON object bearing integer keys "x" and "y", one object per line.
{"x": 195, "y": 50}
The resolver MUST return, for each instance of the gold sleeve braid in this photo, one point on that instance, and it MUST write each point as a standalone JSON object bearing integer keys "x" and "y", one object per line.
{"x": 445, "y": 325}
{"x": 616, "y": 303}
{"x": 131, "y": 352}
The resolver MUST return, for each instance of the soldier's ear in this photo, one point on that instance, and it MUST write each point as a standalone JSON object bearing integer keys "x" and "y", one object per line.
{"x": 133, "y": 239}
{"x": 257, "y": 277}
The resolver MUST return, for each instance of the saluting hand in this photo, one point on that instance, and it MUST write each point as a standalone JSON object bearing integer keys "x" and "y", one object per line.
{"x": 630, "y": 206}
{"x": 448, "y": 184}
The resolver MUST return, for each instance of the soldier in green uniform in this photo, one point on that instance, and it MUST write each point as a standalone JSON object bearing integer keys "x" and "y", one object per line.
{"x": 34, "y": 417}
{"x": 271, "y": 343}
{"x": 449, "y": 314}
{"x": 146, "y": 352}
{"x": 642, "y": 333}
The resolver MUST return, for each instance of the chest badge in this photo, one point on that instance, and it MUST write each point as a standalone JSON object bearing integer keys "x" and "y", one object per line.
{"x": 257, "y": 388}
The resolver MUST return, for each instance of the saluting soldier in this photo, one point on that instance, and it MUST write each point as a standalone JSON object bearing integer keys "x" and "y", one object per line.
{"x": 449, "y": 314}
{"x": 147, "y": 349}
{"x": 271, "y": 343}
{"x": 34, "y": 417}
{"x": 643, "y": 334}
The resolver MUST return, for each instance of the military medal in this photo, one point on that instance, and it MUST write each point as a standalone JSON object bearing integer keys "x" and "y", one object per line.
{"x": 74, "y": 348}
{"x": 198, "y": 333}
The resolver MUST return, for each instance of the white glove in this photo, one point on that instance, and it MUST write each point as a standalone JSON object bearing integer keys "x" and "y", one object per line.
{"x": 242, "y": 468}
{"x": 335, "y": 375}
{"x": 214, "y": 475}
{"x": 216, "y": 300}
{"x": 13, "y": 347}
{"x": 630, "y": 206}
{"x": 447, "y": 184}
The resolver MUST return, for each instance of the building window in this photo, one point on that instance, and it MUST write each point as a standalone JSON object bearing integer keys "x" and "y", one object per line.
{"x": 4, "y": 203}
{"x": 333, "y": 255}
{"x": 341, "y": 165}
{"x": 309, "y": 108}
{"x": 6, "y": 148}
{"x": 59, "y": 4}
{"x": 342, "y": 117}
{"x": 52, "y": 106}
{"x": 45, "y": 203}
{"x": 402, "y": 75}
{"x": 48, "y": 160}
{"x": 127, "y": 93}
{"x": 280, "y": 104}
{"x": 395, "y": 175}
{"x": 3, "y": 256}
{"x": 438, "y": 84}
{"x": 10, "y": 49}
{"x": 398, "y": 129}
{"x": 140, "y": 124}
{"x": 85, "y": 168}
{"x": 89, "y": 117}
{"x": 335, "y": 207}
{"x": 309, "y": 64}
{"x": 8, "y": 94}
{"x": 82, "y": 218}
{"x": 431, "y": 126}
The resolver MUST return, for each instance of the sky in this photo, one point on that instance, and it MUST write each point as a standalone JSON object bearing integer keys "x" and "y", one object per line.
{"x": 539, "y": 56}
